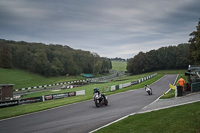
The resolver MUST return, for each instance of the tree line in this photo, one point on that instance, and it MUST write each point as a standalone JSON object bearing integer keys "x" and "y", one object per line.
{"x": 50, "y": 60}
{"x": 171, "y": 57}
{"x": 117, "y": 59}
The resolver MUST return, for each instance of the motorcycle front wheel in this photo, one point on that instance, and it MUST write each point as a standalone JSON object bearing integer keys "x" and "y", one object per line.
{"x": 97, "y": 103}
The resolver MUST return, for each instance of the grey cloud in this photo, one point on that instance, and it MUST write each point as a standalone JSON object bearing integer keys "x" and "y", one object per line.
{"x": 113, "y": 28}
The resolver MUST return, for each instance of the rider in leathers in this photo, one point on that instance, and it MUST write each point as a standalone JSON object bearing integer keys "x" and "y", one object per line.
{"x": 97, "y": 91}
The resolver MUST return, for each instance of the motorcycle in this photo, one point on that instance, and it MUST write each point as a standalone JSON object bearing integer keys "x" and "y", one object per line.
{"x": 148, "y": 90}
{"x": 100, "y": 99}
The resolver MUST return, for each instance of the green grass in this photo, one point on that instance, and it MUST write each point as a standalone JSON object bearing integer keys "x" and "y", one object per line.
{"x": 102, "y": 87}
{"x": 119, "y": 65}
{"x": 170, "y": 94}
{"x": 24, "y": 79}
{"x": 185, "y": 118}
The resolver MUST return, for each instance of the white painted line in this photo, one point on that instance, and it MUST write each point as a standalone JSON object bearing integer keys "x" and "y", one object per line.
{"x": 142, "y": 113}
{"x": 159, "y": 96}
{"x": 167, "y": 107}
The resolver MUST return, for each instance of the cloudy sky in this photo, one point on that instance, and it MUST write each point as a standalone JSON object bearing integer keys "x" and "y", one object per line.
{"x": 111, "y": 28}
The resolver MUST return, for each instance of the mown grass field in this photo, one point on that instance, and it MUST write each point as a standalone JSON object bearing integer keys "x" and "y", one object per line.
{"x": 180, "y": 119}
{"x": 23, "y": 79}
{"x": 119, "y": 65}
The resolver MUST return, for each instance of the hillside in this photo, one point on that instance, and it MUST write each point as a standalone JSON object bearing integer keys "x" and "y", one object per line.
{"x": 119, "y": 65}
{"x": 23, "y": 79}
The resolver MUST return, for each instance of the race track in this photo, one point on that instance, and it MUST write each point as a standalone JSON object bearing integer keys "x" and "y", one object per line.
{"x": 84, "y": 117}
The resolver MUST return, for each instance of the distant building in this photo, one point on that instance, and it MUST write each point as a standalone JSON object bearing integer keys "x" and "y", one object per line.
{"x": 6, "y": 92}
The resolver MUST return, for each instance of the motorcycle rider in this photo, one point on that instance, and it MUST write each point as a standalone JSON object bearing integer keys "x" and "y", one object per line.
{"x": 97, "y": 91}
{"x": 147, "y": 87}
{"x": 102, "y": 99}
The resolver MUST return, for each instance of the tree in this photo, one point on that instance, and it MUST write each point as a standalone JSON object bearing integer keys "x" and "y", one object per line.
{"x": 105, "y": 65}
{"x": 151, "y": 61}
{"x": 40, "y": 63}
{"x": 182, "y": 53}
{"x": 194, "y": 42}
{"x": 5, "y": 55}
{"x": 97, "y": 67}
{"x": 136, "y": 64}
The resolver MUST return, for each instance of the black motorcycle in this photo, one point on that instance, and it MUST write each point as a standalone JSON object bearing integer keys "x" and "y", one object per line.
{"x": 100, "y": 99}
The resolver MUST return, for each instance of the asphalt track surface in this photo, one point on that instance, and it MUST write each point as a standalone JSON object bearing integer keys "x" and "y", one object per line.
{"x": 84, "y": 117}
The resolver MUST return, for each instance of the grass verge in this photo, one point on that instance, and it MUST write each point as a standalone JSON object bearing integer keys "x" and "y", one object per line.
{"x": 185, "y": 118}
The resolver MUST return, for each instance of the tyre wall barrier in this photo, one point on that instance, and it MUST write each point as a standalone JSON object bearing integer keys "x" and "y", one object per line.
{"x": 55, "y": 84}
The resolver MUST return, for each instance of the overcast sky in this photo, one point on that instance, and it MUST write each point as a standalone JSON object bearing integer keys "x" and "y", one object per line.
{"x": 111, "y": 28}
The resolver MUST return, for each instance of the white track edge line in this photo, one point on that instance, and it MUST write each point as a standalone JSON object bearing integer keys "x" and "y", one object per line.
{"x": 142, "y": 113}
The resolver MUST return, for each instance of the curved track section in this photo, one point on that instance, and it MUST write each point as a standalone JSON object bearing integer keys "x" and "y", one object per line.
{"x": 84, "y": 117}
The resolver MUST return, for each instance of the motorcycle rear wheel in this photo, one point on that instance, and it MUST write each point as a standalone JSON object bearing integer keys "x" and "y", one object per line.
{"x": 106, "y": 102}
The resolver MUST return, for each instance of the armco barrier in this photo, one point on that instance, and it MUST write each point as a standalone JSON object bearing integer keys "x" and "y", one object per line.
{"x": 120, "y": 86}
{"x": 40, "y": 99}
{"x": 82, "y": 92}
{"x": 116, "y": 87}
{"x": 113, "y": 88}
{"x": 9, "y": 103}
{"x": 126, "y": 84}
{"x": 58, "y": 96}
{"x": 31, "y": 100}
{"x": 134, "y": 82}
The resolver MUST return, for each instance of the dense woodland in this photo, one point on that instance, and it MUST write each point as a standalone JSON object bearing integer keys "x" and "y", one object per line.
{"x": 171, "y": 57}
{"x": 50, "y": 60}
